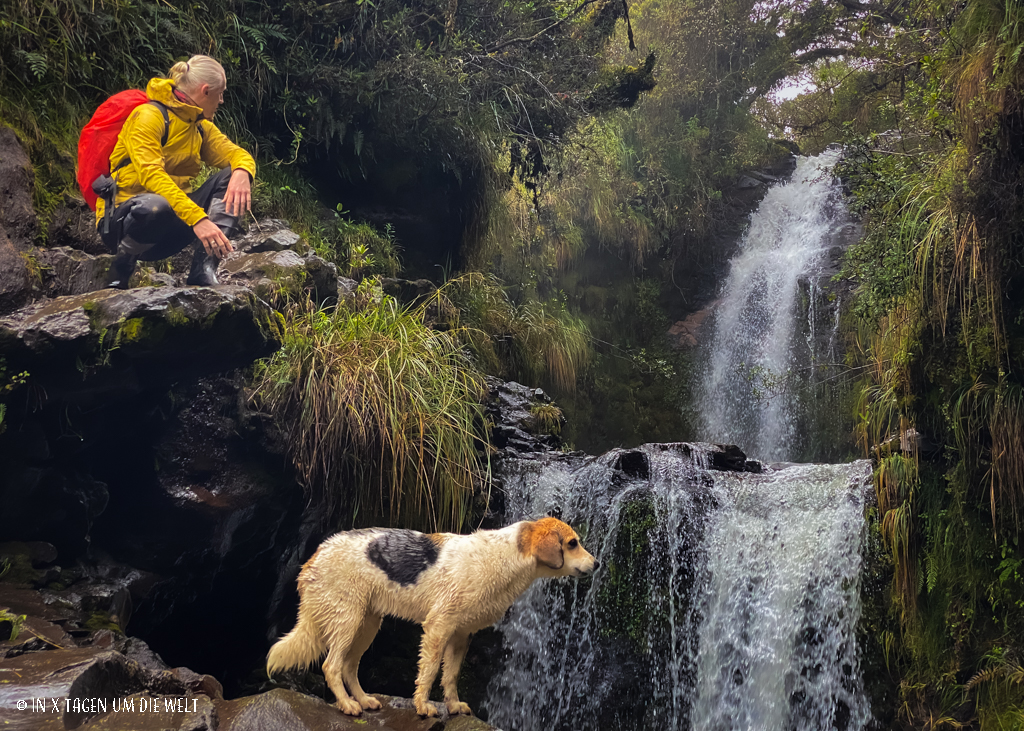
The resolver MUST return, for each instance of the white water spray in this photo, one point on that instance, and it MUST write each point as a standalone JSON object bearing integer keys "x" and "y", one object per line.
{"x": 755, "y": 361}
{"x": 723, "y": 601}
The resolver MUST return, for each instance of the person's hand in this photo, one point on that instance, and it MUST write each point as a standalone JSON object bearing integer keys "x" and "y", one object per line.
{"x": 238, "y": 197}
{"x": 213, "y": 239}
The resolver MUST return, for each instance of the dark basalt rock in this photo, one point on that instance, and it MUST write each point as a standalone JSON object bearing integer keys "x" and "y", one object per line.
{"x": 121, "y": 342}
{"x": 15, "y": 277}
{"x": 511, "y": 408}
{"x": 66, "y": 271}
{"x": 408, "y": 291}
{"x": 172, "y": 713}
{"x": 73, "y": 224}
{"x": 285, "y": 709}
{"x": 271, "y": 234}
{"x": 17, "y": 215}
{"x": 276, "y": 272}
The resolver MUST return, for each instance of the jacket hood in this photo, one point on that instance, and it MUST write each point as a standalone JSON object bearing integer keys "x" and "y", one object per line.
{"x": 162, "y": 90}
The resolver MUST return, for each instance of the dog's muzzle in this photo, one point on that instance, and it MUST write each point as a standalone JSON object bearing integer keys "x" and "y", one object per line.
{"x": 587, "y": 572}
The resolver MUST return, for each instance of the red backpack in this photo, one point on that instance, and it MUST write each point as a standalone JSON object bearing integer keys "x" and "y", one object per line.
{"x": 100, "y": 135}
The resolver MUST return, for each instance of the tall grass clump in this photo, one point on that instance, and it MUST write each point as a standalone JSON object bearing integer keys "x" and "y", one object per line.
{"x": 532, "y": 341}
{"x": 381, "y": 413}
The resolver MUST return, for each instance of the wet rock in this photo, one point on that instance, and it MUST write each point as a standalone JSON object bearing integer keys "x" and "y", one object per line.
{"x": 15, "y": 276}
{"x": 687, "y": 333}
{"x": 271, "y": 234}
{"x": 66, "y": 271}
{"x": 282, "y": 709}
{"x": 275, "y": 273}
{"x": 76, "y": 679}
{"x": 521, "y": 419}
{"x": 17, "y": 215}
{"x": 724, "y": 457}
{"x": 634, "y": 463}
{"x": 116, "y": 341}
{"x": 73, "y": 224}
{"x": 152, "y": 712}
{"x": 407, "y": 291}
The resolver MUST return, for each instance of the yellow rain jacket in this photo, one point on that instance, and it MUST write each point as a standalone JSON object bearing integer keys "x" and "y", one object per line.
{"x": 167, "y": 170}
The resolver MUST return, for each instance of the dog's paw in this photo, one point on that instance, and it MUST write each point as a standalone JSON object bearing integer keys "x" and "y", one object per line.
{"x": 457, "y": 707}
{"x": 369, "y": 703}
{"x": 426, "y": 708}
{"x": 350, "y": 707}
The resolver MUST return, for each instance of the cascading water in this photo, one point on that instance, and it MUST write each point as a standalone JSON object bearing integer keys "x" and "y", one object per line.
{"x": 728, "y": 596}
{"x": 723, "y": 600}
{"x": 756, "y": 361}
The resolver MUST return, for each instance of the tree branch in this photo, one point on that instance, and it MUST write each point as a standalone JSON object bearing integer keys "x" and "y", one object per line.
{"x": 535, "y": 36}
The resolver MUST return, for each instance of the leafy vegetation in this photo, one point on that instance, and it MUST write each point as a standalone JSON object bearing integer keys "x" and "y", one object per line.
{"x": 381, "y": 413}
{"x": 931, "y": 116}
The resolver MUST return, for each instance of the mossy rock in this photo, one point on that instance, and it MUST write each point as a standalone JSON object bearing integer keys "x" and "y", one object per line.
{"x": 114, "y": 340}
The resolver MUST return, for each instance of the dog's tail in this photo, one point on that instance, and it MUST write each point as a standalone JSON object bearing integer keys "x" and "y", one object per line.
{"x": 300, "y": 647}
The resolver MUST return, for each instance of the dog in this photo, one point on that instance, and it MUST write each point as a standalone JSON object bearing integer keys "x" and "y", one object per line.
{"x": 453, "y": 585}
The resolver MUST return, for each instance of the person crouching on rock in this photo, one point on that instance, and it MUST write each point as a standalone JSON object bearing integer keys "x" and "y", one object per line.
{"x": 159, "y": 150}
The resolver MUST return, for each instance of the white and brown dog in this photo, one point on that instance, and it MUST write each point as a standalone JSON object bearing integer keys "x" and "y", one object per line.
{"x": 452, "y": 584}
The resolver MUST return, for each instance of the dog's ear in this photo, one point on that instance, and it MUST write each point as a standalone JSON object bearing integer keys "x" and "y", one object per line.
{"x": 548, "y": 550}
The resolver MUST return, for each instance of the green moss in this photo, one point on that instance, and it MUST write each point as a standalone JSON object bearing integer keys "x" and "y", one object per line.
{"x": 624, "y": 599}
{"x": 101, "y": 620}
{"x": 17, "y": 567}
{"x": 35, "y": 270}
{"x": 132, "y": 329}
{"x": 10, "y": 625}
{"x": 176, "y": 316}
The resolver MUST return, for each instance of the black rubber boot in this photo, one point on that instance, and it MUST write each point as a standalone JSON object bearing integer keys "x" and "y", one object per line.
{"x": 123, "y": 266}
{"x": 203, "y": 272}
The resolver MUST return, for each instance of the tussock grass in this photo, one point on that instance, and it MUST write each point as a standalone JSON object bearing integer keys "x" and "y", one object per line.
{"x": 531, "y": 342}
{"x": 382, "y": 414}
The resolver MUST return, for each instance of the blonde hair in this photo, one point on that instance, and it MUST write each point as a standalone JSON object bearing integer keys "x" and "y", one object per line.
{"x": 198, "y": 70}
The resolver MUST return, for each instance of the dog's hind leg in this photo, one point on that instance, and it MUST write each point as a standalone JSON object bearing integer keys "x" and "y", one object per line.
{"x": 454, "y": 654}
{"x": 341, "y": 635}
{"x": 364, "y": 637}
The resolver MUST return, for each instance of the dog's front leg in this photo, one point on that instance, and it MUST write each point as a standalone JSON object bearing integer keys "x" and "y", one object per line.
{"x": 454, "y": 654}
{"x": 435, "y": 638}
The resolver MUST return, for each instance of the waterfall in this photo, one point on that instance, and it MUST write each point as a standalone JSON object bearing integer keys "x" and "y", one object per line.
{"x": 722, "y": 601}
{"x": 756, "y": 363}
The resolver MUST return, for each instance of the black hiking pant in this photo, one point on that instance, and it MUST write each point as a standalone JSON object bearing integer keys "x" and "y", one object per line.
{"x": 151, "y": 228}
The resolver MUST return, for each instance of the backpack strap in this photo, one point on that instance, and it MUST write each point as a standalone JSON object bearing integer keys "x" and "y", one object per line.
{"x": 163, "y": 139}
{"x": 167, "y": 120}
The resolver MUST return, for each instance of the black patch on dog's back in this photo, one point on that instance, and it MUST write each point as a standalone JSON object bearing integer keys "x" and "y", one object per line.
{"x": 402, "y": 554}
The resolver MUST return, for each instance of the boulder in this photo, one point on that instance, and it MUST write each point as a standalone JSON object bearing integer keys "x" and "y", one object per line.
{"x": 125, "y": 341}
{"x": 408, "y": 291}
{"x": 66, "y": 271}
{"x": 275, "y": 273}
{"x": 73, "y": 224}
{"x": 270, "y": 234}
{"x": 62, "y": 688}
{"x": 285, "y": 709}
{"x": 15, "y": 276}
{"x": 17, "y": 215}
{"x": 153, "y": 712}
{"x": 522, "y": 418}
{"x": 687, "y": 333}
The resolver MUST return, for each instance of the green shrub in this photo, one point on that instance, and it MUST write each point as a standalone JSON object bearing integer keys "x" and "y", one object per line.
{"x": 382, "y": 414}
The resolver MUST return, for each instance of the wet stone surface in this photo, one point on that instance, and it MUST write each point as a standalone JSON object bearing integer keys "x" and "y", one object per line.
{"x": 124, "y": 341}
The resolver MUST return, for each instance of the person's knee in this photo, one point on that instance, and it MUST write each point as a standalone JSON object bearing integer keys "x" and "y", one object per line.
{"x": 149, "y": 208}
